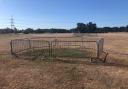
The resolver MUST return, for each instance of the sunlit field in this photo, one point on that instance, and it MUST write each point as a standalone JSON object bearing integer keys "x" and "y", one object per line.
{"x": 70, "y": 73}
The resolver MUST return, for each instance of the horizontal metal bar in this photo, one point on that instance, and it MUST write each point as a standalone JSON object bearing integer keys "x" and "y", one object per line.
{"x": 53, "y": 37}
{"x": 73, "y": 41}
{"x": 21, "y": 50}
{"x": 24, "y": 39}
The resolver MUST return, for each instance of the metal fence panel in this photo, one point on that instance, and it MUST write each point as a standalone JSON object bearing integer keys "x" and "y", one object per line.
{"x": 57, "y": 47}
{"x": 20, "y": 45}
{"x": 77, "y": 49}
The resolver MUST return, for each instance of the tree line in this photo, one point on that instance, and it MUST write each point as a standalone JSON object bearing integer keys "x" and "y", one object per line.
{"x": 80, "y": 28}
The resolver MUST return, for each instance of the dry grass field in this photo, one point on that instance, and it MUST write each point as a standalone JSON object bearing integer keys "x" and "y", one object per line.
{"x": 69, "y": 73}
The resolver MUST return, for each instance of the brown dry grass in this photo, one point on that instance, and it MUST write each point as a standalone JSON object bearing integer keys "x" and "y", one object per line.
{"x": 26, "y": 74}
{"x": 113, "y": 41}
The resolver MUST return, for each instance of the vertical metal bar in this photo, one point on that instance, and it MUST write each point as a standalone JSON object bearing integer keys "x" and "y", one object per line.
{"x": 29, "y": 43}
{"x": 102, "y": 44}
{"x": 82, "y": 42}
{"x": 49, "y": 43}
{"x": 51, "y": 50}
{"x": 68, "y": 45}
{"x": 97, "y": 49}
{"x": 11, "y": 47}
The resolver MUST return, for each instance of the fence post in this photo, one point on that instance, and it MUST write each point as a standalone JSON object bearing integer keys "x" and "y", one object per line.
{"x": 49, "y": 43}
{"x": 11, "y": 47}
{"x": 98, "y": 55}
{"x": 51, "y": 50}
{"x": 29, "y": 43}
{"x": 102, "y": 40}
{"x": 82, "y": 43}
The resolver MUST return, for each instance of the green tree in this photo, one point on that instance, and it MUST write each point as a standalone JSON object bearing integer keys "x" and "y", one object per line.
{"x": 28, "y": 30}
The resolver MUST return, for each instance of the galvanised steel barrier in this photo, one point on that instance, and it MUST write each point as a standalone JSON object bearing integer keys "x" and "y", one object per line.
{"x": 57, "y": 47}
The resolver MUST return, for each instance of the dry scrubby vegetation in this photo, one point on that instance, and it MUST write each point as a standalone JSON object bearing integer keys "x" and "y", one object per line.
{"x": 26, "y": 74}
{"x": 66, "y": 73}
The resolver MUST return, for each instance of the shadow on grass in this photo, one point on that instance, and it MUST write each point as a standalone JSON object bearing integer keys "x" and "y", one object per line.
{"x": 87, "y": 62}
{"x": 115, "y": 64}
{"x": 70, "y": 56}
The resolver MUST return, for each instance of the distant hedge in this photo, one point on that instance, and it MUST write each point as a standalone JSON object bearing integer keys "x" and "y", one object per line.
{"x": 81, "y": 28}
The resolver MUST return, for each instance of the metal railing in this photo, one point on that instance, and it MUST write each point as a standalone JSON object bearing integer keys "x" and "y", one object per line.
{"x": 57, "y": 47}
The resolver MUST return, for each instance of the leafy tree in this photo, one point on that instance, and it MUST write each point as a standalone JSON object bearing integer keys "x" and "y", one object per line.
{"x": 86, "y": 28}
{"x": 91, "y": 27}
{"x": 28, "y": 30}
{"x": 81, "y": 28}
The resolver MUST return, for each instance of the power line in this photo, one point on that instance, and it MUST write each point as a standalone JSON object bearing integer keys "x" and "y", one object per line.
{"x": 12, "y": 23}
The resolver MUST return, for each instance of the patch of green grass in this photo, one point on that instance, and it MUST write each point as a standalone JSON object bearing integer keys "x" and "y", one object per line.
{"x": 74, "y": 53}
{"x": 35, "y": 53}
{"x": 63, "y": 52}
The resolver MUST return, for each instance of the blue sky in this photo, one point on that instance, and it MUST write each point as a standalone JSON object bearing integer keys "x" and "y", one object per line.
{"x": 63, "y": 13}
